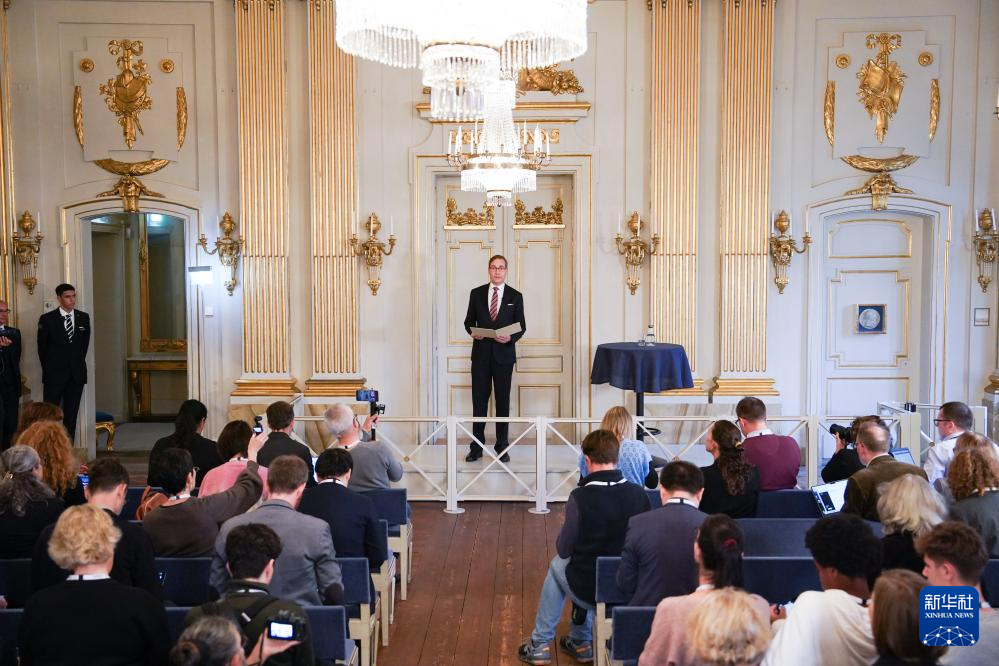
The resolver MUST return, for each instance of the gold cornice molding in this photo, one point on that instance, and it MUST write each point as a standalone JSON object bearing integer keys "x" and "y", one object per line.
{"x": 743, "y": 386}
{"x": 333, "y": 388}
{"x": 277, "y": 388}
{"x": 697, "y": 389}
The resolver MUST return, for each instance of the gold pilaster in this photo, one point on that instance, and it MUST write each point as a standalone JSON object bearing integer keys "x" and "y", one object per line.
{"x": 333, "y": 198}
{"x": 675, "y": 94}
{"x": 8, "y": 214}
{"x": 262, "y": 187}
{"x": 745, "y": 194}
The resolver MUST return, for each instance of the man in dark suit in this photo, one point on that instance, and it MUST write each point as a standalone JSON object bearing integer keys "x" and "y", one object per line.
{"x": 351, "y": 516}
{"x": 281, "y": 421}
{"x": 873, "y": 442}
{"x": 63, "y": 340}
{"x": 658, "y": 556}
{"x": 494, "y": 305}
{"x": 10, "y": 377}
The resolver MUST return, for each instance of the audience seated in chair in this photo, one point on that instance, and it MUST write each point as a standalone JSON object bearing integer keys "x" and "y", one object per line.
{"x": 186, "y": 526}
{"x": 634, "y": 459}
{"x": 894, "y": 611}
{"x": 91, "y": 618}
{"x": 27, "y": 505}
{"x": 909, "y": 508}
{"x": 596, "y": 517}
{"x": 778, "y": 457}
{"x": 133, "y": 554}
{"x": 60, "y": 471}
{"x": 845, "y": 462}
{"x": 973, "y": 478}
{"x": 33, "y": 412}
{"x": 726, "y": 629}
{"x": 831, "y": 627}
{"x": 306, "y": 571}
{"x": 217, "y": 641}
{"x": 717, "y": 551}
{"x": 953, "y": 419}
{"x": 351, "y": 516}
{"x": 658, "y": 556}
{"x": 281, "y": 421}
{"x": 187, "y": 429}
{"x": 862, "y": 489}
{"x": 955, "y": 554}
{"x": 375, "y": 466}
{"x": 251, "y": 551}
{"x": 233, "y": 446}
{"x": 731, "y": 482}
{"x": 967, "y": 440}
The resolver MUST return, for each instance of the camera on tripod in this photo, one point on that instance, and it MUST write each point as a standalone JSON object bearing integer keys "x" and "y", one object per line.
{"x": 370, "y": 396}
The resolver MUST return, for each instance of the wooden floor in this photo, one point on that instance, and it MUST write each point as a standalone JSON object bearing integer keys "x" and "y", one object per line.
{"x": 476, "y": 581}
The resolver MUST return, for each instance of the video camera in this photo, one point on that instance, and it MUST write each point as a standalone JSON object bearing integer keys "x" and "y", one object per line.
{"x": 370, "y": 396}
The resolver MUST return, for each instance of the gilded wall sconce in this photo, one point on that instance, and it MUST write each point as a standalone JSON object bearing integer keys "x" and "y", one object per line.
{"x": 26, "y": 247}
{"x": 228, "y": 248}
{"x": 634, "y": 250}
{"x": 782, "y": 248}
{"x": 373, "y": 250}
{"x": 986, "y": 243}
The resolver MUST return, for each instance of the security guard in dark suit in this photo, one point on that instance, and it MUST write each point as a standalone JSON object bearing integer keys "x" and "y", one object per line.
{"x": 63, "y": 341}
{"x": 494, "y": 305}
{"x": 10, "y": 376}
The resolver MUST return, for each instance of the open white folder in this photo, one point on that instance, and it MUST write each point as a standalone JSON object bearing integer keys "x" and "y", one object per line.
{"x": 494, "y": 332}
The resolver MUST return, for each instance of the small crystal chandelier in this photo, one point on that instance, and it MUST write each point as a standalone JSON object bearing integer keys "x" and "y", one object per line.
{"x": 462, "y": 45}
{"x": 498, "y": 162}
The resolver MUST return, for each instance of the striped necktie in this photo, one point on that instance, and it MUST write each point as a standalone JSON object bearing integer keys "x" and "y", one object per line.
{"x": 68, "y": 325}
{"x": 494, "y": 304}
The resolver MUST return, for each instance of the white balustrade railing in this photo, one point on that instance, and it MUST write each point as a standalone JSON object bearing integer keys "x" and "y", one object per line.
{"x": 432, "y": 451}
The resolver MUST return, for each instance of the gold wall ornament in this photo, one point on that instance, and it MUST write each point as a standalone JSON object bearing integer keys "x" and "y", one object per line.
{"x": 925, "y": 59}
{"x": 843, "y": 61}
{"x": 934, "y": 107}
{"x": 539, "y": 216}
{"x": 128, "y": 187}
{"x": 78, "y": 113}
{"x": 548, "y": 79}
{"x": 26, "y": 247}
{"x": 881, "y": 82}
{"x": 373, "y": 250}
{"x": 782, "y": 248}
{"x": 881, "y": 184}
{"x": 126, "y": 95}
{"x": 470, "y": 218}
{"x": 228, "y": 248}
{"x": 181, "y": 117}
{"x": 635, "y": 250}
{"x": 829, "y": 112}
{"x": 86, "y": 65}
{"x": 167, "y": 66}
{"x": 986, "y": 243}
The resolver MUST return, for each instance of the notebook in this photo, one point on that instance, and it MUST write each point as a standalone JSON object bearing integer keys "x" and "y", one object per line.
{"x": 830, "y": 496}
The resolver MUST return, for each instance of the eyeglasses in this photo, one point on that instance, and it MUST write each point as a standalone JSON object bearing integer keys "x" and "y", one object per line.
{"x": 497, "y": 268}
{"x": 939, "y": 421}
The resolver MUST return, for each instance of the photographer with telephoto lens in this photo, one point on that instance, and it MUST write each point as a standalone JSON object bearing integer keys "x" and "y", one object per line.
{"x": 846, "y": 461}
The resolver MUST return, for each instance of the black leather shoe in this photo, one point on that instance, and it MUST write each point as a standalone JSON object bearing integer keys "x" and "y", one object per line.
{"x": 472, "y": 456}
{"x": 505, "y": 458}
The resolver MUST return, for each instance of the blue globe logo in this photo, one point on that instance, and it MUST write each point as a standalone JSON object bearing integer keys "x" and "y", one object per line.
{"x": 948, "y": 636}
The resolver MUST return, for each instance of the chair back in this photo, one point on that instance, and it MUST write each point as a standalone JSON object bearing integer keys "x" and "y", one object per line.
{"x": 607, "y": 589}
{"x": 15, "y": 581}
{"x": 787, "y": 504}
{"x": 632, "y": 626}
{"x": 356, "y": 580}
{"x": 176, "y": 617}
{"x": 329, "y": 633}
{"x": 10, "y": 620}
{"x": 655, "y": 500}
{"x": 990, "y": 583}
{"x": 185, "y": 579}
{"x": 780, "y": 579}
{"x": 390, "y": 504}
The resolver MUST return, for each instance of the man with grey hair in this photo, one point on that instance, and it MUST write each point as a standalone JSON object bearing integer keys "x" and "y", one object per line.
{"x": 873, "y": 442}
{"x": 374, "y": 464}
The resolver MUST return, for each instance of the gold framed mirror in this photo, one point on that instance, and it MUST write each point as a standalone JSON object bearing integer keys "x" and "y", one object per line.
{"x": 162, "y": 315}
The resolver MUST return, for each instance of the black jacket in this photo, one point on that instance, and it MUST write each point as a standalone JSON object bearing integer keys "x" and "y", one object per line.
{"x": 10, "y": 360}
{"x": 280, "y": 444}
{"x": 842, "y": 465}
{"x": 204, "y": 454}
{"x": 61, "y": 359}
{"x": 510, "y": 310}
{"x": 352, "y": 518}
{"x": 133, "y": 560}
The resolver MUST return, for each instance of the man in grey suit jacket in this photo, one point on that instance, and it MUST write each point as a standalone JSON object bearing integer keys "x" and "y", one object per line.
{"x": 305, "y": 571}
{"x": 658, "y": 556}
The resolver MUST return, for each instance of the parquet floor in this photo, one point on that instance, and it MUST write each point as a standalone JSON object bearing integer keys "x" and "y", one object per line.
{"x": 476, "y": 581}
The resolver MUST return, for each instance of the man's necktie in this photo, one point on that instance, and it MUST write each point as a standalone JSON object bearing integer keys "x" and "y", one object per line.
{"x": 494, "y": 304}
{"x": 68, "y": 325}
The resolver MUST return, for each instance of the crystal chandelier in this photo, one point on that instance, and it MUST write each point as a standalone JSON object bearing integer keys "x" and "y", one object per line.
{"x": 498, "y": 162}
{"x": 462, "y": 45}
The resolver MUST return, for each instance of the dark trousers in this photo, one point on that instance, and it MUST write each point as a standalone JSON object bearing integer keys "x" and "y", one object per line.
{"x": 486, "y": 376}
{"x": 67, "y": 394}
{"x": 9, "y": 407}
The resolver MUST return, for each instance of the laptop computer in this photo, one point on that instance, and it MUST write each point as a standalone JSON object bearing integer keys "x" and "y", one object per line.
{"x": 830, "y": 497}
{"x": 903, "y": 455}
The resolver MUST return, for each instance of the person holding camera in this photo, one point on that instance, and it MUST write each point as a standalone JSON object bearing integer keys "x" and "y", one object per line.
{"x": 845, "y": 462}
{"x": 375, "y": 466}
{"x": 216, "y": 641}
{"x": 251, "y": 551}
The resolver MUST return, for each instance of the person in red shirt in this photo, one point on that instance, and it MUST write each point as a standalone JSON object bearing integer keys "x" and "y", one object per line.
{"x": 778, "y": 457}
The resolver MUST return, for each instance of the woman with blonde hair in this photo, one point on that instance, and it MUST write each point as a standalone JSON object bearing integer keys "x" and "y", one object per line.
{"x": 894, "y": 611}
{"x": 634, "y": 459}
{"x": 908, "y": 508}
{"x": 60, "y": 625}
{"x": 27, "y": 505}
{"x": 973, "y": 477}
{"x": 728, "y": 629}
{"x": 60, "y": 470}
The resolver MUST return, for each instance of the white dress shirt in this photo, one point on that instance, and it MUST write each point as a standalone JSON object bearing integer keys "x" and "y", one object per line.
{"x": 829, "y": 628}
{"x": 939, "y": 456}
{"x": 499, "y": 300}
{"x": 72, "y": 317}
{"x": 760, "y": 432}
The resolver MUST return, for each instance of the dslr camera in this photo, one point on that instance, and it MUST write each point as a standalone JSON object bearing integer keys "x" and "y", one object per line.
{"x": 846, "y": 433}
{"x": 370, "y": 396}
{"x": 285, "y": 626}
